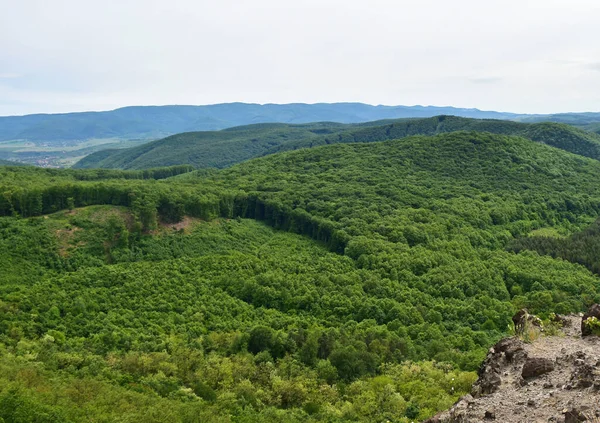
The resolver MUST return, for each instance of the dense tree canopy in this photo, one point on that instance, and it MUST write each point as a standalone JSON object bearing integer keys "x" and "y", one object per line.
{"x": 218, "y": 149}
{"x": 350, "y": 282}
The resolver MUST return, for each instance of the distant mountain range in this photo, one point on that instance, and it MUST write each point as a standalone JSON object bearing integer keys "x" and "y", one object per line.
{"x": 159, "y": 121}
{"x": 60, "y": 140}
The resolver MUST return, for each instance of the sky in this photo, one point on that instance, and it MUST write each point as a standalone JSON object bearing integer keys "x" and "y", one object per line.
{"x": 525, "y": 56}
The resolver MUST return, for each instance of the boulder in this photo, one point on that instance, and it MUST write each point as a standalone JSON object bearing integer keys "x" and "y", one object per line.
{"x": 536, "y": 366}
{"x": 519, "y": 319}
{"x": 574, "y": 415}
{"x": 506, "y": 351}
{"x": 488, "y": 383}
{"x": 594, "y": 311}
{"x": 512, "y": 348}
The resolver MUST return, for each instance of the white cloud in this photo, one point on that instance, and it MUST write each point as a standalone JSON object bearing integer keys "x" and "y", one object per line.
{"x": 594, "y": 66}
{"x": 501, "y": 55}
{"x": 485, "y": 80}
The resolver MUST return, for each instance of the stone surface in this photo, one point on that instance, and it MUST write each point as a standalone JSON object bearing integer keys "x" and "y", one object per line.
{"x": 557, "y": 396}
{"x": 574, "y": 415}
{"x": 536, "y": 366}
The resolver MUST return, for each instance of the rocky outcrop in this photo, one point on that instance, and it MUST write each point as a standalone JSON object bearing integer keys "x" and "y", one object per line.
{"x": 536, "y": 366}
{"x": 594, "y": 311}
{"x": 503, "y": 353}
{"x": 551, "y": 379}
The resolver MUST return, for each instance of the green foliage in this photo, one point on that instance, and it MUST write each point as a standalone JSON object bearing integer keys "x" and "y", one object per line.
{"x": 224, "y": 148}
{"x": 594, "y": 325}
{"x": 352, "y": 282}
{"x": 207, "y": 149}
{"x": 16, "y": 407}
{"x": 582, "y": 247}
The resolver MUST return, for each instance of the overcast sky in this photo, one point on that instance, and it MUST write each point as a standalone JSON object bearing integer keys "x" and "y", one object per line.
{"x": 534, "y": 56}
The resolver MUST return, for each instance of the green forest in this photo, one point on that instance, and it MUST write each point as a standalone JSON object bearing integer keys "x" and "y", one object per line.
{"x": 360, "y": 281}
{"x": 219, "y": 149}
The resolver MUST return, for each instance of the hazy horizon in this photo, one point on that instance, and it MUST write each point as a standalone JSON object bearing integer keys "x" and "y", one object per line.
{"x": 292, "y": 103}
{"x": 278, "y": 104}
{"x": 529, "y": 56}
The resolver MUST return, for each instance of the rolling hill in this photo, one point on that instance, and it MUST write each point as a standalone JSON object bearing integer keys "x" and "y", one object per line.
{"x": 224, "y": 148}
{"x": 593, "y": 127}
{"x": 207, "y": 149}
{"x": 60, "y": 140}
{"x": 576, "y": 119}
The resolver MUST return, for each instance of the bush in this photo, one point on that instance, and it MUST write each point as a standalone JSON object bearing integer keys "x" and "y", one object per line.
{"x": 594, "y": 325}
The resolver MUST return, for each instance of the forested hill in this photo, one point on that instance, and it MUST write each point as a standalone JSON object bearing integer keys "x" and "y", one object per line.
{"x": 159, "y": 121}
{"x": 387, "y": 280}
{"x": 207, "y": 149}
{"x": 224, "y": 148}
{"x": 577, "y": 119}
{"x": 594, "y": 127}
{"x": 559, "y": 135}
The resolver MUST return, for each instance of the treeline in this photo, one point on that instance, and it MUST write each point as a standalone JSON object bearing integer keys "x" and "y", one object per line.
{"x": 155, "y": 203}
{"x": 581, "y": 247}
{"x": 153, "y": 173}
{"x": 31, "y": 173}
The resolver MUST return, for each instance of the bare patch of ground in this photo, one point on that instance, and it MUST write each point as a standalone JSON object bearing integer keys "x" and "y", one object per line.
{"x": 65, "y": 239}
{"x": 560, "y": 382}
{"x": 186, "y": 225}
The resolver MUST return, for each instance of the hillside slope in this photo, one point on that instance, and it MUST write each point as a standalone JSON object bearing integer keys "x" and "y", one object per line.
{"x": 577, "y": 119}
{"x": 593, "y": 127}
{"x": 207, "y": 149}
{"x": 558, "y": 135}
{"x": 224, "y": 148}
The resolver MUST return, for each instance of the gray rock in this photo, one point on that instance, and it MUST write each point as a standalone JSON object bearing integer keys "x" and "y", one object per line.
{"x": 574, "y": 415}
{"x": 583, "y": 376}
{"x": 536, "y": 366}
